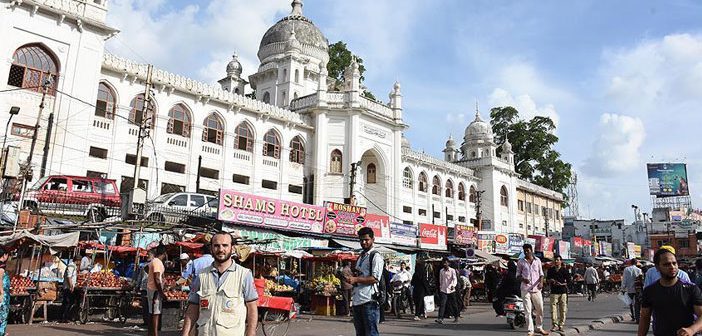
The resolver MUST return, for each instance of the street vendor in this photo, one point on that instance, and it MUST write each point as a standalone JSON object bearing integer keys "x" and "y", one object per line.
{"x": 220, "y": 294}
{"x": 185, "y": 262}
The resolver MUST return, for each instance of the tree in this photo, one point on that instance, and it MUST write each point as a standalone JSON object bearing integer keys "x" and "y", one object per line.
{"x": 340, "y": 59}
{"x": 532, "y": 141}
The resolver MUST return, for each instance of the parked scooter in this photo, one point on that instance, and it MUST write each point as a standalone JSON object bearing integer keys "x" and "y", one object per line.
{"x": 514, "y": 311}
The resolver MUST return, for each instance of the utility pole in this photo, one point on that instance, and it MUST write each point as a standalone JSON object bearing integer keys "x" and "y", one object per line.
{"x": 28, "y": 167}
{"x": 478, "y": 211}
{"x": 352, "y": 179}
{"x": 47, "y": 141}
{"x": 139, "y": 197}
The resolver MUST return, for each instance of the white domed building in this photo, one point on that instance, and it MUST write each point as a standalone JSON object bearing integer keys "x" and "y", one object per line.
{"x": 296, "y": 141}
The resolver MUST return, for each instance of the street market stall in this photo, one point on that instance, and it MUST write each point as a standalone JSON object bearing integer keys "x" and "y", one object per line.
{"x": 324, "y": 286}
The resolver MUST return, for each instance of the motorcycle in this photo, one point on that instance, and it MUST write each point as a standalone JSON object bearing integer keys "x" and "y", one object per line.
{"x": 514, "y": 311}
{"x": 400, "y": 298}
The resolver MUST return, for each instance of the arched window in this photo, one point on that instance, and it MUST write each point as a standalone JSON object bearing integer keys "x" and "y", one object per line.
{"x": 449, "y": 189}
{"x": 297, "y": 150}
{"x": 214, "y": 130}
{"x": 284, "y": 99}
{"x": 271, "y": 144}
{"x": 473, "y": 195}
{"x": 504, "y": 198}
{"x": 105, "y": 104}
{"x": 137, "y": 115}
{"x": 436, "y": 185}
{"x": 244, "y": 138}
{"x": 285, "y": 76}
{"x": 297, "y": 76}
{"x": 267, "y": 97}
{"x": 335, "y": 162}
{"x": 31, "y": 66}
{"x": 295, "y": 95}
{"x": 236, "y": 90}
{"x": 407, "y": 178}
{"x": 423, "y": 182}
{"x": 179, "y": 121}
{"x": 370, "y": 173}
{"x": 461, "y": 191}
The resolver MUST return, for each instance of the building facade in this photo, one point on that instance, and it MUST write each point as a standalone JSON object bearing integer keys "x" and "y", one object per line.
{"x": 297, "y": 141}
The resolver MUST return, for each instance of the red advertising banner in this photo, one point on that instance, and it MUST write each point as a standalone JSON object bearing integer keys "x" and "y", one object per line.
{"x": 432, "y": 236}
{"x": 381, "y": 227}
{"x": 343, "y": 219}
{"x": 238, "y": 207}
{"x": 465, "y": 235}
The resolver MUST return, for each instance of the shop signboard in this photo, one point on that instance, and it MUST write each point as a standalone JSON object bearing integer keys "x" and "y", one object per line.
{"x": 564, "y": 249}
{"x": 516, "y": 241}
{"x": 543, "y": 244}
{"x": 343, "y": 219}
{"x": 501, "y": 244}
{"x": 432, "y": 236}
{"x": 637, "y": 251}
{"x": 630, "y": 252}
{"x": 606, "y": 248}
{"x": 403, "y": 234}
{"x": 381, "y": 227}
{"x": 587, "y": 247}
{"x": 247, "y": 209}
{"x": 667, "y": 179}
{"x": 464, "y": 235}
{"x": 486, "y": 242}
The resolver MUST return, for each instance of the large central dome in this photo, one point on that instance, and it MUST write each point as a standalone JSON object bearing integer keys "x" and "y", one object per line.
{"x": 310, "y": 37}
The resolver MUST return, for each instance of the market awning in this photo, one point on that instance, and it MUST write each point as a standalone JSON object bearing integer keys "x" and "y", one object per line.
{"x": 489, "y": 258}
{"x": 354, "y": 245}
{"x": 55, "y": 241}
{"x": 297, "y": 254}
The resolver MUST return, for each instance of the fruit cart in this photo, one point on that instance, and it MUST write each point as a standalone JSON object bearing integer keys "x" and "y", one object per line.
{"x": 103, "y": 291}
{"x": 274, "y": 313}
{"x": 20, "y": 299}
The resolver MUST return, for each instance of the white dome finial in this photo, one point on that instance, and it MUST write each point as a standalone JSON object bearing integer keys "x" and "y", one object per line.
{"x": 296, "y": 8}
{"x": 477, "y": 112}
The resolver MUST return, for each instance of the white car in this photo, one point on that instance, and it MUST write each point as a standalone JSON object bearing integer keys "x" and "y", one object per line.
{"x": 175, "y": 207}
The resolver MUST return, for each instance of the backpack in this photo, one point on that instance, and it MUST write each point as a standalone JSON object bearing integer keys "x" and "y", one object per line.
{"x": 381, "y": 294}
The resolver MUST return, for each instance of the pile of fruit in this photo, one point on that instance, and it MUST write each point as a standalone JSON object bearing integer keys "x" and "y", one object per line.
{"x": 104, "y": 279}
{"x": 272, "y": 286}
{"x": 176, "y": 295}
{"x": 325, "y": 283}
{"x": 169, "y": 280}
{"x": 20, "y": 285}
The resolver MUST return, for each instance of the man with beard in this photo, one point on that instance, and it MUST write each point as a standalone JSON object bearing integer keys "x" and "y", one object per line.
{"x": 366, "y": 292}
{"x": 672, "y": 302}
{"x": 220, "y": 294}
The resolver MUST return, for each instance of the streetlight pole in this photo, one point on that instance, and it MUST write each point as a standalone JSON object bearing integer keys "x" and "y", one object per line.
{"x": 645, "y": 223}
{"x": 13, "y": 112}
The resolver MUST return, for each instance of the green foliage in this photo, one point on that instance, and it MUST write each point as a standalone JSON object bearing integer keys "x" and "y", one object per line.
{"x": 340, "y": 59}
{"x": 532, "y": 142}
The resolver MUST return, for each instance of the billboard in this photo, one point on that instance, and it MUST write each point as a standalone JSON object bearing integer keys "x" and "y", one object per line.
{"x": 516, "y": 241}
{"x": 465, "y": 235}
{"x": 381, "y": 227}
{"x": 564, "y": 249}
{"x": 343, "y": 219}
{"x": 403, "y": 234}
{"x": 667, "y": 179}
{"x": 242, "y": 208}
{"x": 501, "y": 244}
{"x": 486, "y": 242}
{"x": 432, "y": 236}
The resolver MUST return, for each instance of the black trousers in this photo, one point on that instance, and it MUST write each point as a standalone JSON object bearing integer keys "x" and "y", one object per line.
{"x": 447, "y": 305}
{"x": 418, "y": 297}
{"x": 69, "y": 299}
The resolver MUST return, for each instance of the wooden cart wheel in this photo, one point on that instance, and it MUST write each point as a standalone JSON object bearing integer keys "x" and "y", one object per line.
{"x": 84, "y": 312}
{"x": 275, "y": 322}
{"x": 26, "y": 312}
{"x": 124, "y": 308}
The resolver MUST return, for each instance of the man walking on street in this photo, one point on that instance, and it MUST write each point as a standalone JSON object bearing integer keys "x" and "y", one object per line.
{"x": 591, "y": 281}
{"x": 559, "y": 278}
{"x": 531, "y": 275}
{"x": 367, "y": 295}
{"x": 631, "y": 273}
{"x": 70, "y": 278}
{"x": 154, "y": 289}
{"x": 448, "y": 279}
{"x": 673, "y": 302}
{"x": 346, "y": 287}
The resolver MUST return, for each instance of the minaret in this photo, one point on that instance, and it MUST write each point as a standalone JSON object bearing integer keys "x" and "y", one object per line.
{"x": 233, "y": 81}
{"x": 396, "y": 101}
{"x": 507, "y": 153}
{"x": 450, "y": 150}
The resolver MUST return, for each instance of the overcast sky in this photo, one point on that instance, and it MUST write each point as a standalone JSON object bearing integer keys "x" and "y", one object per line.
{"x": 622, "y": 79}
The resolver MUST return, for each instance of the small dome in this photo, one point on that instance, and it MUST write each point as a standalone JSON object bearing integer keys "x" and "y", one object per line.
{"x": 450, "y": 143}
{"x": 234, "y": 67}
{"x": 405, "y": 141}
{"x": 478, "y": 130}
{"x": 306, "y": 33}
{"x": 507, "y": 147}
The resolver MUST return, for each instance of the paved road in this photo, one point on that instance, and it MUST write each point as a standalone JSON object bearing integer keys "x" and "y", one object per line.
{"x": 478, "y": 320}
{"x": 617, "y": 329}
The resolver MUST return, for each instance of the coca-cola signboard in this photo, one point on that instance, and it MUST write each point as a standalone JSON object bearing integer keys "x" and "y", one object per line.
{"x": 381, "y": 227}
{"x": 432, "y": 236}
